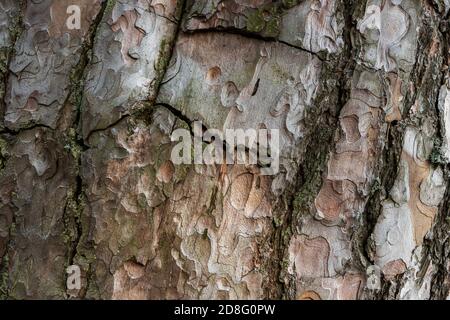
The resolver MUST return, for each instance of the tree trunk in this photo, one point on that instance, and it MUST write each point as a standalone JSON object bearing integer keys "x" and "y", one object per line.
{"x": 91, "y": 93}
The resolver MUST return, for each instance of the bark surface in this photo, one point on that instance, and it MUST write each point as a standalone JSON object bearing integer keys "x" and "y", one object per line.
{"x": 360, "y": 91}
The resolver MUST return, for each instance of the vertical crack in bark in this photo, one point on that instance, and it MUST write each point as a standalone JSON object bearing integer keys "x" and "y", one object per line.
{"x": 438, "y": 251}
{"x": 143, "y": 110}
{"x": 319, "y": 142}
{"x": 422, "y": 78}
{"x": 438, "y": 246}
{"x": 15, "y": 31}
{"x": 167, "y": 50}
{"x": 75, "y": 204}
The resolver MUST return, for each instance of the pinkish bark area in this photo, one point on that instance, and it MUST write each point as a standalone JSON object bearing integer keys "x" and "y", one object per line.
{"x": 91, "y": 93}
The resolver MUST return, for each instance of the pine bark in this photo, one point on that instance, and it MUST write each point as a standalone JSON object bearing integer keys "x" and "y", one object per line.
{"x": 360, "y": 91}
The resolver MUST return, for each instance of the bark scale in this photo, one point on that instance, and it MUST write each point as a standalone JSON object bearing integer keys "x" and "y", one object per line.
{"x": 360, "y": 91}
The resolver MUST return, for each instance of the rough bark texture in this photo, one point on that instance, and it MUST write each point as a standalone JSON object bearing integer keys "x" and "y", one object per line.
{"x": 360, "y": 91}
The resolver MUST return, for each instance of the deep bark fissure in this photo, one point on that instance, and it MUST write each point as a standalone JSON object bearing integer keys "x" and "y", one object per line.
{"x": 17, "y": 29}
{"x": 438, "y": 249}
{"x": 438, "y": 246}
{"x": 75, "y": 97}
{"x": 421, "y": 75}
{"x": 310, "y": 171}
